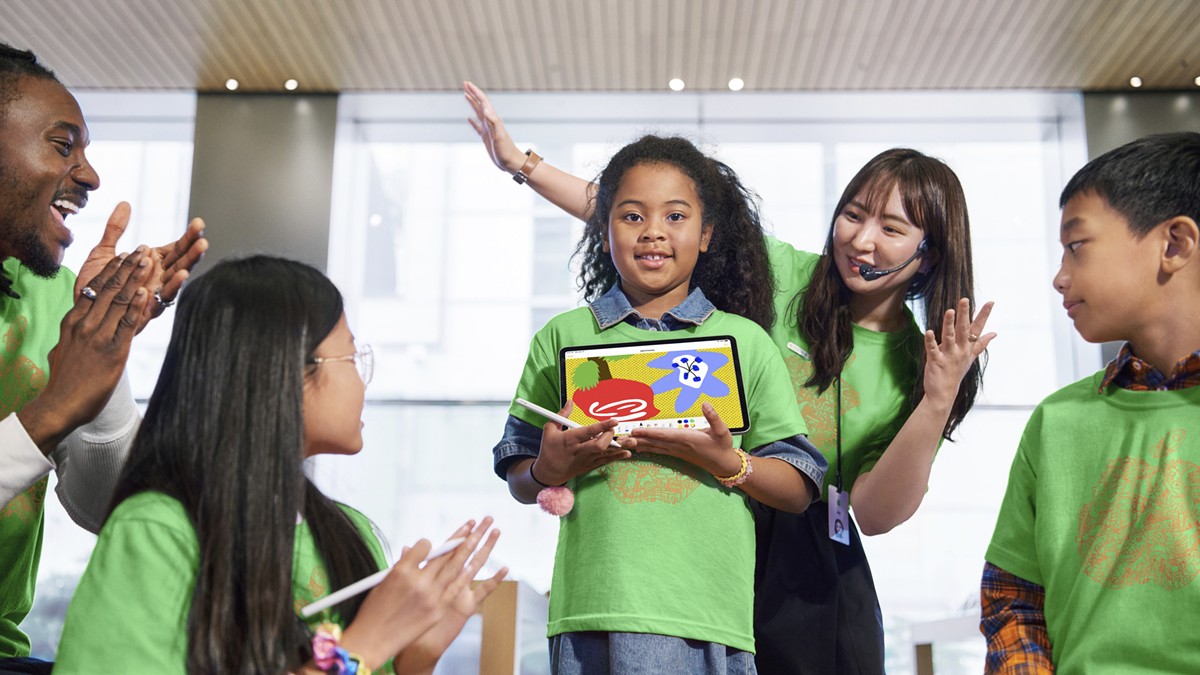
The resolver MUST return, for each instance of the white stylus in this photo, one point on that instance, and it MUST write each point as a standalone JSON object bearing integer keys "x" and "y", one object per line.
{"x": 555, "y": 417}
{"x": 796, "y": 348}
{"x": 372, "y": 581}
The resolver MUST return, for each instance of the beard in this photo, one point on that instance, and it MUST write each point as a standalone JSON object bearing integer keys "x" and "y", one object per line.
{"x": 23, "y": 229}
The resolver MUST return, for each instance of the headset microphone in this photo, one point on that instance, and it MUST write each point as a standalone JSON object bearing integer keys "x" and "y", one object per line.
{"x": 871, "y": 274}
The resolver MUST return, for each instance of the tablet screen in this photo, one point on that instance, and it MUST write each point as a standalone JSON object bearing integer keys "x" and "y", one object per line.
{"x": 655, "y": 384}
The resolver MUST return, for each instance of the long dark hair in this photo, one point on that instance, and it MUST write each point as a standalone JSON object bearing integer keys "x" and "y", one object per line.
{"x": 934, "y": 201}
{"x": 734, "y": 273}
{"x": 224, "y": 434}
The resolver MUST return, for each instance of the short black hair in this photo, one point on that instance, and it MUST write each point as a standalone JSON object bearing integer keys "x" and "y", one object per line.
{"x": 1148, "y": 181}
{"x": 15, "y": 64}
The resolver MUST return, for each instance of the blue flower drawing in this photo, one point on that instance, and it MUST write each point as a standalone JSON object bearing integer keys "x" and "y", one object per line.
{"x": 690, "y": 371}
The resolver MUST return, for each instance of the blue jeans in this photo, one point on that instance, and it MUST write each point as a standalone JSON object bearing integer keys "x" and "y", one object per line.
{"x": 25, "y": 665}
{"x": 593, "y": 653}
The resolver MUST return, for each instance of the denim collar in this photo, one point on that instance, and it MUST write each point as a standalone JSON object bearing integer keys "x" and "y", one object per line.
{"x": 613, "y": 307}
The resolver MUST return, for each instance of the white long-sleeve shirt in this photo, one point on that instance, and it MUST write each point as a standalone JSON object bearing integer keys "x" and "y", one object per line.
{"x": 87, "y": 463}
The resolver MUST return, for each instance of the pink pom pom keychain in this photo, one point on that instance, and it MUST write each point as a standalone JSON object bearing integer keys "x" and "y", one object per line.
{"x": 557, "y": 501}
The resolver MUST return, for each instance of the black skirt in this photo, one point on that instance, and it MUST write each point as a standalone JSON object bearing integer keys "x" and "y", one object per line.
{"x": 815, "y": 607}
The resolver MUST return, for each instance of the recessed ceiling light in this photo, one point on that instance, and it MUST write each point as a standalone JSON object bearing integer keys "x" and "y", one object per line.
{"x": 1197, "y": 80}
{"x": 291, "y": 85}
{"x": 736, "y": 84}
{"x": 676, "y": 84}
{"x": 1135, "y": 81}
{"x": 231, "y": 84}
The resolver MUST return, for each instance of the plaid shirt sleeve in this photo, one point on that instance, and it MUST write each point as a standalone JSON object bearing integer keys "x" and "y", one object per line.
{"x": 1014, "y": 623}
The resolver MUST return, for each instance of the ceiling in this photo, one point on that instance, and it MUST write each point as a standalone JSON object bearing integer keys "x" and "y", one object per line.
{"x": 606, "y": 45}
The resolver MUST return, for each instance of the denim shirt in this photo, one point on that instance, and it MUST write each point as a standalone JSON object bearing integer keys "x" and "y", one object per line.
{"x": 613, "y": 307}
{"x": 522, "y": 439}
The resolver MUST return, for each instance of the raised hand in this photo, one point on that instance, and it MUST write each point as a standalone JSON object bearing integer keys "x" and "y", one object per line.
{"x": 92, "y": 348}
{"x": 710, "y": 449}
{"x": 170, "y": 263}
{"x": 423, "y": 654}
{"x": 963, "y": 340}
{"x": 566, "y": 454}
{"x": 487, "y": 123}
{"x": 412, "y": 598}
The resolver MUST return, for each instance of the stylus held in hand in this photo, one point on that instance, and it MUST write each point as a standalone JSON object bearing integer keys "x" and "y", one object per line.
{"x": 555, "y": 417}
{"x": 372, "y": 581}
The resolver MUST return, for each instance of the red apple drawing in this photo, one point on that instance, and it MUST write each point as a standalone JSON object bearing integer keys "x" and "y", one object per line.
{"x": 616, "y": 399}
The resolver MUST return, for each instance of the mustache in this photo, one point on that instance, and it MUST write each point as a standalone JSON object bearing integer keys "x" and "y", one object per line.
{"x": 77, "y": 195}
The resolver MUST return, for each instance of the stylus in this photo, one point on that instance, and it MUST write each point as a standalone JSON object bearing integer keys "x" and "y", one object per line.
{"x": 372, "y": 581}
{"x": 555, "y": 417}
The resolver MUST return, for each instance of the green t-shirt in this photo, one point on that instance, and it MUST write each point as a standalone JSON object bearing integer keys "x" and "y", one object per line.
{"x": 877, "y": 381}
{"x": 28, "y": 331}
{"x": 129, "y": 613}
{"x": 1102, "y": 510}
{"x": 654, "y": 544}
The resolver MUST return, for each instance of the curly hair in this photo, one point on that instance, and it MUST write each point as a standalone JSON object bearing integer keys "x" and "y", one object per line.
{"x": 934, "y": 201}
{"x": 734, "y": 273}
{"x": 15, "y": 64}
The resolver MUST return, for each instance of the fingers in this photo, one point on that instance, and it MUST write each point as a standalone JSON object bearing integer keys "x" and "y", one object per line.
{"x": 948, "y": 332}
{"x": 115, "y": 289}
{"x": 183, "y": 253}
{"x": 115, "y": 227}
{"x": 484, "y": 588}
{"x": 453, "y": 573}
{"x": 84, "y": 305}
{"x": 981, "y": 319}
{"x": 959, "y": 327}
{"x": 480, "y": 556}
{"x": 931, "y": 343}
{"x": 412, "y": 557}
{"x": 172, "y": 285}
{"x": 128, "y": 323}
{"x": 983, "y": 343}
{"x": 715, "y": 423}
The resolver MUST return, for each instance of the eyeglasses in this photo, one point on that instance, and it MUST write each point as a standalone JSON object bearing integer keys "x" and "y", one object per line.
{"x": 364, "y": 360}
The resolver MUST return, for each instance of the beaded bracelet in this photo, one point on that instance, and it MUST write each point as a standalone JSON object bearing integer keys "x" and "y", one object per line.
{"x": 742, "y": 474}
{"x": 330, "y": 657}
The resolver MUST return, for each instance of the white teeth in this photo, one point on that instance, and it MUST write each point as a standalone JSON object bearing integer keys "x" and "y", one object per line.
{"x": 66, "y": 206}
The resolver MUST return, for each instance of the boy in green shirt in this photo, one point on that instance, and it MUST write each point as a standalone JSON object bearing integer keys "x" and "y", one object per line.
{"x": 1093, "y": 564}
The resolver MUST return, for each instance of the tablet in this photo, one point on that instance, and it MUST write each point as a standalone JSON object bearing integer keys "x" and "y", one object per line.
{"x": 658, "y": 384}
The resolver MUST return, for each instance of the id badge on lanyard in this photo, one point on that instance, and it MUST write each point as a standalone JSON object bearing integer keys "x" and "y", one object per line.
{"x": 839, "y": 515}
{"x": 839, "y": 502}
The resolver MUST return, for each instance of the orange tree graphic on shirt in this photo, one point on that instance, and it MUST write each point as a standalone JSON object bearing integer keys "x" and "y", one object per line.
{"x": 20, "y": 381}
{"x": 1140, "y": 525}
{"x": 820, "y": 412}
{"x": 317, "y": 587}
{"x": 659, "y": 478}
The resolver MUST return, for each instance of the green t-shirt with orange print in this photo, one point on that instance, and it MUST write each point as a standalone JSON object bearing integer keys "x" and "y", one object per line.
{"x": 130, "y": 611}
{"x": 877, "y": 381}
{"x": 28, "y": 331}
{"x": 1103, "y": 510}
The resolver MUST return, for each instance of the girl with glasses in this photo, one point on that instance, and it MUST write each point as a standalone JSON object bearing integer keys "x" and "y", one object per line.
{"x": 216, "y": 538}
